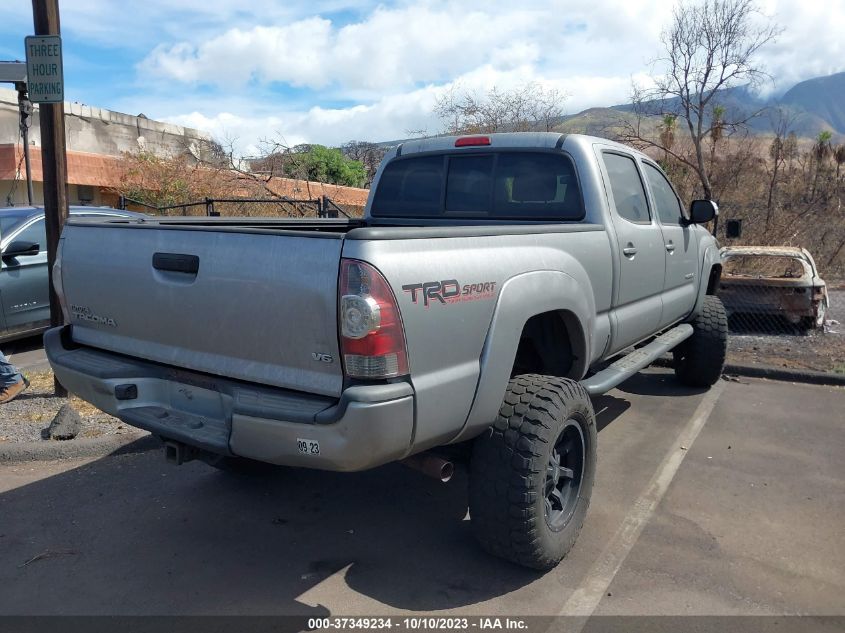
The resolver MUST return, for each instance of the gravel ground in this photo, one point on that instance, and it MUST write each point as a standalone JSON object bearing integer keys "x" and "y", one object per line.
{"x": 24, "y": 419}
{"x": 779, "y": 345}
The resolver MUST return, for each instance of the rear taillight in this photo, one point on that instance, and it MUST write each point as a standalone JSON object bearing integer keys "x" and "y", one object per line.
{"x": 372, "y": 340}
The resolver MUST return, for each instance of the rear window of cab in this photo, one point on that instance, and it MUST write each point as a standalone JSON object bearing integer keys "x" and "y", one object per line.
{"x": 496, "y": 185}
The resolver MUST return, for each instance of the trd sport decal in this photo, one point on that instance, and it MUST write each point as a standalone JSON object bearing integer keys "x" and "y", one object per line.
{"x": 449, "y": 291}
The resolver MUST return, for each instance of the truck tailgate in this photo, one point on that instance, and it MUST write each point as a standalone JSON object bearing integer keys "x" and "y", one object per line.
{"x": 256, "y": 305}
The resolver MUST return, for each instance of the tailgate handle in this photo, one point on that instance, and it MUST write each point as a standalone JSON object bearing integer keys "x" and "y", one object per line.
{"x": 176, "y": 262}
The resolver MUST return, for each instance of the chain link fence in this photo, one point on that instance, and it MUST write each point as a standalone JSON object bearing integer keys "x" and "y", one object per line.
{"x": 780, "y": 313}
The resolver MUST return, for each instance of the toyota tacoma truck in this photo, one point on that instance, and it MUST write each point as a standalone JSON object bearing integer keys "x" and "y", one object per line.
{"x": 493, "y": 285}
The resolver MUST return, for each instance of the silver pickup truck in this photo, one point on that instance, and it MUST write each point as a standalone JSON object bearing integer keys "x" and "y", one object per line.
{"x": 494, "y": 284}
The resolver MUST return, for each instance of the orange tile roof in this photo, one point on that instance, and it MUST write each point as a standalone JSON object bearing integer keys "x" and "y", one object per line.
{"x": 101, "y": 170}
{"x": 82, "y": 168}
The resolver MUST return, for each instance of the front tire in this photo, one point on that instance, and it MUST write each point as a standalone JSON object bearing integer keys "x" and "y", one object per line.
{"x": 532, "y": 472}
{"x": 699, "y": 360}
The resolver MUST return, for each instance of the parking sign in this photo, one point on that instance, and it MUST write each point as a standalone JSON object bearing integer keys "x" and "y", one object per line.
{"x": 44, "y": 75}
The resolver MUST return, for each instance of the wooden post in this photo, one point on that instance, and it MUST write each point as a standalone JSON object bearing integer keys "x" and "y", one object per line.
{"x": 45, "y": 15}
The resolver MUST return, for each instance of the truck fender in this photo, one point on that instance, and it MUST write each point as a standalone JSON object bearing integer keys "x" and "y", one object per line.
{"x": 521, "y": 298}
{"x": 711, "y": 258}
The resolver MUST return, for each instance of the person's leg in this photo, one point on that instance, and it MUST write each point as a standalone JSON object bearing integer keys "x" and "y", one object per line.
{"x": 12, "y": 382}
{"x": 9, "y": 374}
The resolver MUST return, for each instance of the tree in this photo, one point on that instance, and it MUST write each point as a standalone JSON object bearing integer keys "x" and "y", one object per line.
{"x": 839, "y": 158}
{"x": 324, "y": 164}
{"x": 822, "y": 147}
{"x": 710, "y": 46}
{"x": 208, "y": 170}
{"x": 667, "y": 134}
{"x": 161, "y": 181}
{"x": 368, "y": 154}
{"x": 527, "y": 108}
{"x": 316, "y": 163}
{"x": 552, "y": 107}
{"x": 783, "y": 147}
{"x": 717, "y": 130}
{"x": 822, "y": 150}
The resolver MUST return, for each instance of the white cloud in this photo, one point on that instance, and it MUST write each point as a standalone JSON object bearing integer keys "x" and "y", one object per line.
{"x": 811, "y": 44}
{"x": 263, "y": 68}
{"x": 390, "y": 117}
{"x": 133, "y": 25}
{"x": 391, "y": 48}
{"x": 395, "y": 60}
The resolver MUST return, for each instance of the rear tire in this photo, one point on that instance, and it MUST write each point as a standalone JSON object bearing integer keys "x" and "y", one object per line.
{"x": 532, "y": 472}
{"x": 700, "y": 359}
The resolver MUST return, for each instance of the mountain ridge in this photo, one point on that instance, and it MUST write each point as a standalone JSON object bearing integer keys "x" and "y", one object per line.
{"x": 815, "y": 105}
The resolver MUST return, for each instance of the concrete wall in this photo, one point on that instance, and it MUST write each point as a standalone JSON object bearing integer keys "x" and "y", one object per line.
{"x": 96, "y": 138}
{"x": 99, "y": 131}
{"x": 13, "y": 194}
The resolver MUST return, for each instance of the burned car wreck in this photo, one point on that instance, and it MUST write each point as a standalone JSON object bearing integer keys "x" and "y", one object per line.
{"x": 773, "y": 281}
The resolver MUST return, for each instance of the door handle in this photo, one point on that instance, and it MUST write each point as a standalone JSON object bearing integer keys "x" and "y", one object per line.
{"x": 670, "y": 247}
{"x": 176, "y": 262}
{"x": 630, "y": 250}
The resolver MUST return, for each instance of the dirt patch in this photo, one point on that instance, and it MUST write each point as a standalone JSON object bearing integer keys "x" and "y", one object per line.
{"x": 24, "y": 419}
{"x": 781, "y": 347}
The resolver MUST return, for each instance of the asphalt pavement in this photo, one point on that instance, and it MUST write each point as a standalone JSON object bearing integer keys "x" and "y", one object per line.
{"x": 728, "y": 502}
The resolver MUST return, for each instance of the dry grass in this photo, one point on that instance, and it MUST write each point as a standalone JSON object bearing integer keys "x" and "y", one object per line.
{"x": 42, "y": 381}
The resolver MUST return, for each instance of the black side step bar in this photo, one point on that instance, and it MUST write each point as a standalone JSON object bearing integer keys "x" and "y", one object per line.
{"x": 630, "y": 364}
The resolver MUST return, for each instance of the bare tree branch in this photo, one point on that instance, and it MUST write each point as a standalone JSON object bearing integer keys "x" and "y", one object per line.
{"x": 710, "y": 46}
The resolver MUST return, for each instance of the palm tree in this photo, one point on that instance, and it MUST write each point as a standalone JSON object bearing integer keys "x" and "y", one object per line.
{"x": 667, "y": 133}
{"x": 839, "y": 158}
{"x": 822, "y": 149}
{"x": 717, "y": 129}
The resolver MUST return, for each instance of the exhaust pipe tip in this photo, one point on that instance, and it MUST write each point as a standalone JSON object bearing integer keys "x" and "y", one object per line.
{"x": 446, "y": 471}
{"x": 431, "y": 465}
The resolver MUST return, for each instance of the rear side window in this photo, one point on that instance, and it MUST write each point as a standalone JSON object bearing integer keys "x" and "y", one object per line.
{"x": 667, "y": 203}
{"x": 411, "y": 187}
{"x": 502, "y": 186}
{"x": 627, "y": 188}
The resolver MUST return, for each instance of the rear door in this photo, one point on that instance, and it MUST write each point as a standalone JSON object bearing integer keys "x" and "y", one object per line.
{"x": 680, "y": 286}
{"x": 640, "y": 251}
{"x": 252, "y": 304}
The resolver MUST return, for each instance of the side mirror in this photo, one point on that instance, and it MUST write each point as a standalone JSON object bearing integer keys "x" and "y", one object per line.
{"x": 702, "y": 211}
{"x": 21, "y": 249}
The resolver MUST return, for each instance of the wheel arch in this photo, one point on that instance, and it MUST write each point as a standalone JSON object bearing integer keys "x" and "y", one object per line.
{"x": 711, "y": 273}
{"x": 544, "y": 297}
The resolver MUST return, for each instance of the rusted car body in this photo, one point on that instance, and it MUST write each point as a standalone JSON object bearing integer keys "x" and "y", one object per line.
{"x": 773, "y": 281}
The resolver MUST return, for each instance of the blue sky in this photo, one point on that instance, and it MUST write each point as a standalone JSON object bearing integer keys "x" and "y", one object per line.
{"x": 329, "y": 71}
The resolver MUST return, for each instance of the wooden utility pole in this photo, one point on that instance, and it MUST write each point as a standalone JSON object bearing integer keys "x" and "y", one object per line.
{"x": 45, "y": 15}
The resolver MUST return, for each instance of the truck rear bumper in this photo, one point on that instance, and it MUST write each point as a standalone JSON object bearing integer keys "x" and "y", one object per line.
{"x": 368, "y": 426}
